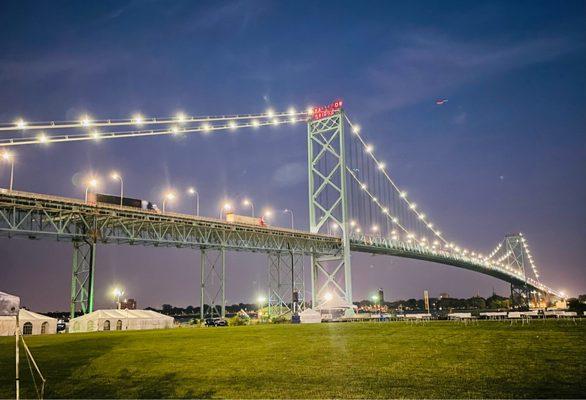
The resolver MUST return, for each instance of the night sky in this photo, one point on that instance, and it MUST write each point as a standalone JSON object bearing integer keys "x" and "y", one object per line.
{"x": 506, "y": 153}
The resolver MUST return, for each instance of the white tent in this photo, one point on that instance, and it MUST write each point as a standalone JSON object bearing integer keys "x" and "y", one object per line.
{"x": 30, "y": 323}
{"x": 120, "y": 320}
{"x": 335, "y": 307}
{"x": 309, "y": 316}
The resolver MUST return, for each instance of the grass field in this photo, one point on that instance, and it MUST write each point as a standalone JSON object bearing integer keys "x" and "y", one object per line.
{"x": 440, "y": 359}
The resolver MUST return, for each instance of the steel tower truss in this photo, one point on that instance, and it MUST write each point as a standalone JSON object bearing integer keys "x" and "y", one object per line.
{"x": 520, "y": 293}
{"x": 213, "y": 283}
{"x": 328, "y": 205}
{"x": 82, "y": 277}
{"x": 286, "y": 283}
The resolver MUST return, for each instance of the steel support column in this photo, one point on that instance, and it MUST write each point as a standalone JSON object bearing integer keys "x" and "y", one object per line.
{"x": 328, "y": 204}
{"x": 286, "y": 283}
{"x": 82, "y": 277}
{"x": 213, "y": 283}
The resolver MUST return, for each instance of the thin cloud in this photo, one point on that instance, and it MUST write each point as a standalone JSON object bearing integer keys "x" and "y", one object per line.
{"x": 425, "y": 66}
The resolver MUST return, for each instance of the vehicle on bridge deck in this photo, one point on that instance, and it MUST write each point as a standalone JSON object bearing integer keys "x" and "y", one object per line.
{"x": 243, "y": 219}
{"x": 98, "y": 198}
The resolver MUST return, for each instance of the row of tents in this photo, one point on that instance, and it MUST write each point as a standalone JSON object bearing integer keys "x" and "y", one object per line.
{"x": 32, "y": 323}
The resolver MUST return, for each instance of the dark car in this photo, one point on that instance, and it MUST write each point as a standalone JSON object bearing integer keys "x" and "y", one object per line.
{"x": 61, "y": 326}
{"x": 215, "y": 322}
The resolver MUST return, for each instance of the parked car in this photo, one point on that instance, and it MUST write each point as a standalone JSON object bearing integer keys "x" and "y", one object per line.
{"x": 216, "y": 322}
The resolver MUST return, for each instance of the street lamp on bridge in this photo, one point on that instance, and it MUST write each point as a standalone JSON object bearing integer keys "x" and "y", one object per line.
{"x": 225, "y": 208}
{"x": 249, "y": 203}
{"x": 117, "y": 177}
{"x": 91, "y": 183}
{"x": 194, "y": 193}
{"x": 9, "y": 158}
{"x": 169, "y": 196}
{"x": 289, "y": 211}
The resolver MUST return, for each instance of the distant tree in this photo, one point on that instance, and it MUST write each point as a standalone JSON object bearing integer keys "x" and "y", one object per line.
{"x": 582, "y": 298}
{"x": 167, "y": 309}
{"x": 576, "y": 305}
{"x": 476, "y": 302}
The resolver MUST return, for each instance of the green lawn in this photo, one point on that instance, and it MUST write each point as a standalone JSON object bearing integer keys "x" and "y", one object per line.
{"x": 438, "y": 359}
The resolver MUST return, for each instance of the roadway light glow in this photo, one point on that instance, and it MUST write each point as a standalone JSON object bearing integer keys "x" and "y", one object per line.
{"x": 413, "y": 206}
{"x": 232, "y": 125}
{"x": 363, "y": 186}
{"x": 95, "y": 135}
{"x": 328, "y": 296}
{"x": 6, "y": 156}
{"x": 357, "y": 230}
{"x": 191, "y": 190}
{"x": 403, "y": 194}
{"x": 270, "y": 113}
{"x": 20, "y": 124}
{"x": 381, "y": 166}
{"x": 206, "y": 127}
{"x": 375, "y": 228}
{"x": 180, "y": 117}
{"x": 385, "y": 210}
{"x": 174, "y": 130}
{"x": 268, "y": 213}
{"x": 115, "y": 176}
{"x": 170, "y": 196}
{"x": 356, "y": 129}
{"x": 261, "y": 299}
{"x": 395, "y": 220}
{"x": 352, "y": 223}
{"x": 291, "y": 111}
{"x": 42, "y": 138}
{"x": 309, "y": 110}
{"x": 369, "y": 148}
{"x": 138, "y": 119}
{"x": 422, "y": 216}
{"x": 255, "y": 123}
{"x": 92, "y": 182}
{"x": 227, "y": 206}
{"x": 85, "y": 121}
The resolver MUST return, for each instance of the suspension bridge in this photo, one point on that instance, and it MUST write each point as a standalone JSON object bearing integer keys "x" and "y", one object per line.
{"x": 354, "y": 206}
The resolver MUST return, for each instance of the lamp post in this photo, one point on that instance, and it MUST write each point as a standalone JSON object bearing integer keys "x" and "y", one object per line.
{"x": 170, "y": 196}
{"x": 288, "y": 211}
{"x": 92, "y": 183}
{"x": 193, "y": 192}
{"x": 248, "y": 202}
{"x": 9, "y": 157}
{"x": 267, "y": 214}
{"x": 117, "y": 294}
{"x": 117, "y": 177}
{"x": 225, "y": 207}
{"x": 261, "y": 301}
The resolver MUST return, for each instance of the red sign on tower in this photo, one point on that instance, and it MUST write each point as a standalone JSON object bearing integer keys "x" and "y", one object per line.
{"x": 326, "y": 111}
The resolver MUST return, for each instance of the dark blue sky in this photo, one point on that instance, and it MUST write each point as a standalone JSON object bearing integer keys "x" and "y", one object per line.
{"x": 514, "y": 74}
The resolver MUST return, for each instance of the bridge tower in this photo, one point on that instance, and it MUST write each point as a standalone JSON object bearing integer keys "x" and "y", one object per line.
{"x": 328, "y": 203}
{"x": 520, "y": 293}
{"x": 82, "y": 277}
{"x": 212, "y": 283}
{"x": 286, "y": 283}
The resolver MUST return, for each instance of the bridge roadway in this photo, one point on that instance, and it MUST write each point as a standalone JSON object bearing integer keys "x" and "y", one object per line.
{"x": 39, "y": 216}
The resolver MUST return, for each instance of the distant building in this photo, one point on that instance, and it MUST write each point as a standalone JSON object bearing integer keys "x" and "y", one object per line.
{"x": 128, "y": 304}
{"x": 381, "y": 296}
{"x": 444, "y": 296}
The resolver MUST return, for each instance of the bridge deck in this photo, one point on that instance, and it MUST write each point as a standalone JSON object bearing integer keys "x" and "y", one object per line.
{"x": 37, "y": 216}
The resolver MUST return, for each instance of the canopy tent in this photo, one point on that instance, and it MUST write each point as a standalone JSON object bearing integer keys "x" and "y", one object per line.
{"x": 335, "y": 307}
{"x": 309, "y": 316}
{"x": 120, "y": 320}
{"x": 30, "y": 323}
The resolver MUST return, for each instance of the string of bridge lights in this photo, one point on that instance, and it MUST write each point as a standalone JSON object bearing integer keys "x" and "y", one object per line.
{"x": 178, "y": 126}
{"x": 369, "y": 149}
{"x": 478, "y": 257}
